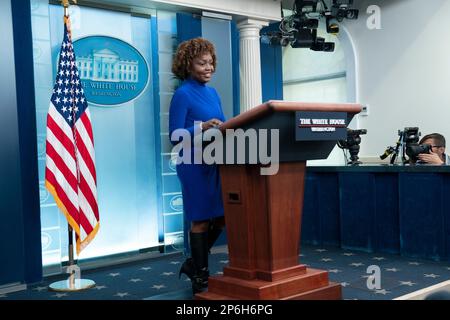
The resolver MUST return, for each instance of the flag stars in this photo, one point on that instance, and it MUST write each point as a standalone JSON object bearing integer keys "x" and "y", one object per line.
{"x": 407, "y": 283}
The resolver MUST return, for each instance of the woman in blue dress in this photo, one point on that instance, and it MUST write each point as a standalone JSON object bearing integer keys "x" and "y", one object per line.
{"x": 196, "y": 107}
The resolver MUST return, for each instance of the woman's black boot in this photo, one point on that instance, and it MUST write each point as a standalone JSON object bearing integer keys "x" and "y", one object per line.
{"x": 199, "y": 252}
{"x": 213, "y": 234}
{"x": 188, "y": 268}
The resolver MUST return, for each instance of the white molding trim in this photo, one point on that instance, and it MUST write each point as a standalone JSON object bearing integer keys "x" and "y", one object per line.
{"x": 216, "y": 15}
{"x": 12, "y": 287}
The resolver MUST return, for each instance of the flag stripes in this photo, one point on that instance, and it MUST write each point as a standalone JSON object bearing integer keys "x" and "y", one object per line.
{"x": 70, "y": 158}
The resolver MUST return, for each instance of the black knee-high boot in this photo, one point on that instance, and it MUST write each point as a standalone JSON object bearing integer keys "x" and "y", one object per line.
{"x": 188, "y": 267}
{"x": 199, "y": 253}
{"x": 213, "y": 234}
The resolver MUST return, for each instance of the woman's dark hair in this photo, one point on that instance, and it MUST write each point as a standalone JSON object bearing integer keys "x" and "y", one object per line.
{"x": 189, "y": 50}
{"x": 438, "y": 139}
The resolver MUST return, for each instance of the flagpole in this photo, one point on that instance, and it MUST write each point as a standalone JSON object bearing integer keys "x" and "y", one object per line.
{"x": 74, "y": 282}
{"x": 71, "y": 262}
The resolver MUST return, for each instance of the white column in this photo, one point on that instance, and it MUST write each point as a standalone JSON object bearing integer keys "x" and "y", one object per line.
{"x": 250, "y": 63}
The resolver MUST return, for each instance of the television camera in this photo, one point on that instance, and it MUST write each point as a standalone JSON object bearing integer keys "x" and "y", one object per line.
{"x": 352, "y": 145}
{"x": 300, "y": 29}
{"x": 407, "y": 145}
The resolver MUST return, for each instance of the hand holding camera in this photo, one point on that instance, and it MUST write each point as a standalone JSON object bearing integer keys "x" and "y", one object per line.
{"x": 430, "y": 158}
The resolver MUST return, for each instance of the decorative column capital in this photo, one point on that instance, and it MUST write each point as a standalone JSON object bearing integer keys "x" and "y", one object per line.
{"x": 252, "y": 23}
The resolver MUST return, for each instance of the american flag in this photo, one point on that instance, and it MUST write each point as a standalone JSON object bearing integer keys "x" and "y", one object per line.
{"x": 70, "y": 163}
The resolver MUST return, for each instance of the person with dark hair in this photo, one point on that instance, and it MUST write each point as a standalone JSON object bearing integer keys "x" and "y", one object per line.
{"x": 437, "y": 154}
{"x": 196, "y": 107}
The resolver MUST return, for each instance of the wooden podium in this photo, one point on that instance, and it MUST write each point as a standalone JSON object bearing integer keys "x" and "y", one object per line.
{"x": 263, "y": 212}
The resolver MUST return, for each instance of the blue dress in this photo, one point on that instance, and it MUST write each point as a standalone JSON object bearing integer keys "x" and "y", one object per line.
{"x": 200, "y": 183}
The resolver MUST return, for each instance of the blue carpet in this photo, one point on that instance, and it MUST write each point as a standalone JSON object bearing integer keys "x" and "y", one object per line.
{"x": 157, "y": 279}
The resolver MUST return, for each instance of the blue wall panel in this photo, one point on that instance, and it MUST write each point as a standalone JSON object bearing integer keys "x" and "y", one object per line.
{"x": 20, "y": 250}
{"x": 188, "y": 27}
{"x": 393, "y": 210}
{"x": 12, "y": 247}
{"x": 357, "y": 210}
{"x": 446, "y": 214}
{"x": 387, "y": 236}
{"x": 271, "y": 69}
{"x": 310, "y": 232}
{"x": 422, "y": 222}
{"x": 23, "y": 51}
{"x": 328, "y": 206}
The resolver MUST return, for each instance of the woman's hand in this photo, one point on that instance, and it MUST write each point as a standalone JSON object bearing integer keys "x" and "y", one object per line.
{"x": 430, "y": 158}
{"x": 212, "y": 123}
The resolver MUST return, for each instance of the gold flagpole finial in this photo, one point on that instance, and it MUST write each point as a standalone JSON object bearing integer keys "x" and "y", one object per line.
{"x": 66, "y": 5}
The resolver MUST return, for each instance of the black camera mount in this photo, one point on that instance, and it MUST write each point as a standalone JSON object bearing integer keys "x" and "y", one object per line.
{"x": 407, "y": 145}
{"x": 352, "y": 145}
{"x": 300, "y": 29}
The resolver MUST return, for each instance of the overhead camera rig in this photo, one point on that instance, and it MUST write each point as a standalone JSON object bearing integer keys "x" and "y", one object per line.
{"x": 300, "y": 29}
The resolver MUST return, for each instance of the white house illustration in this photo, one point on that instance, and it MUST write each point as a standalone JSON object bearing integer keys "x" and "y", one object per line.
{"x": 105, "y": 65}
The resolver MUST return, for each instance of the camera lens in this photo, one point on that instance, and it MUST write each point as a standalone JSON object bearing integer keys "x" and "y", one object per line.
{"x": 352, "y": 14}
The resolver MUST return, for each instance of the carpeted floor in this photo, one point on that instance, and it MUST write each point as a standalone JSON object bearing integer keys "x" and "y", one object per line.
{"x": 157, "y": 278}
